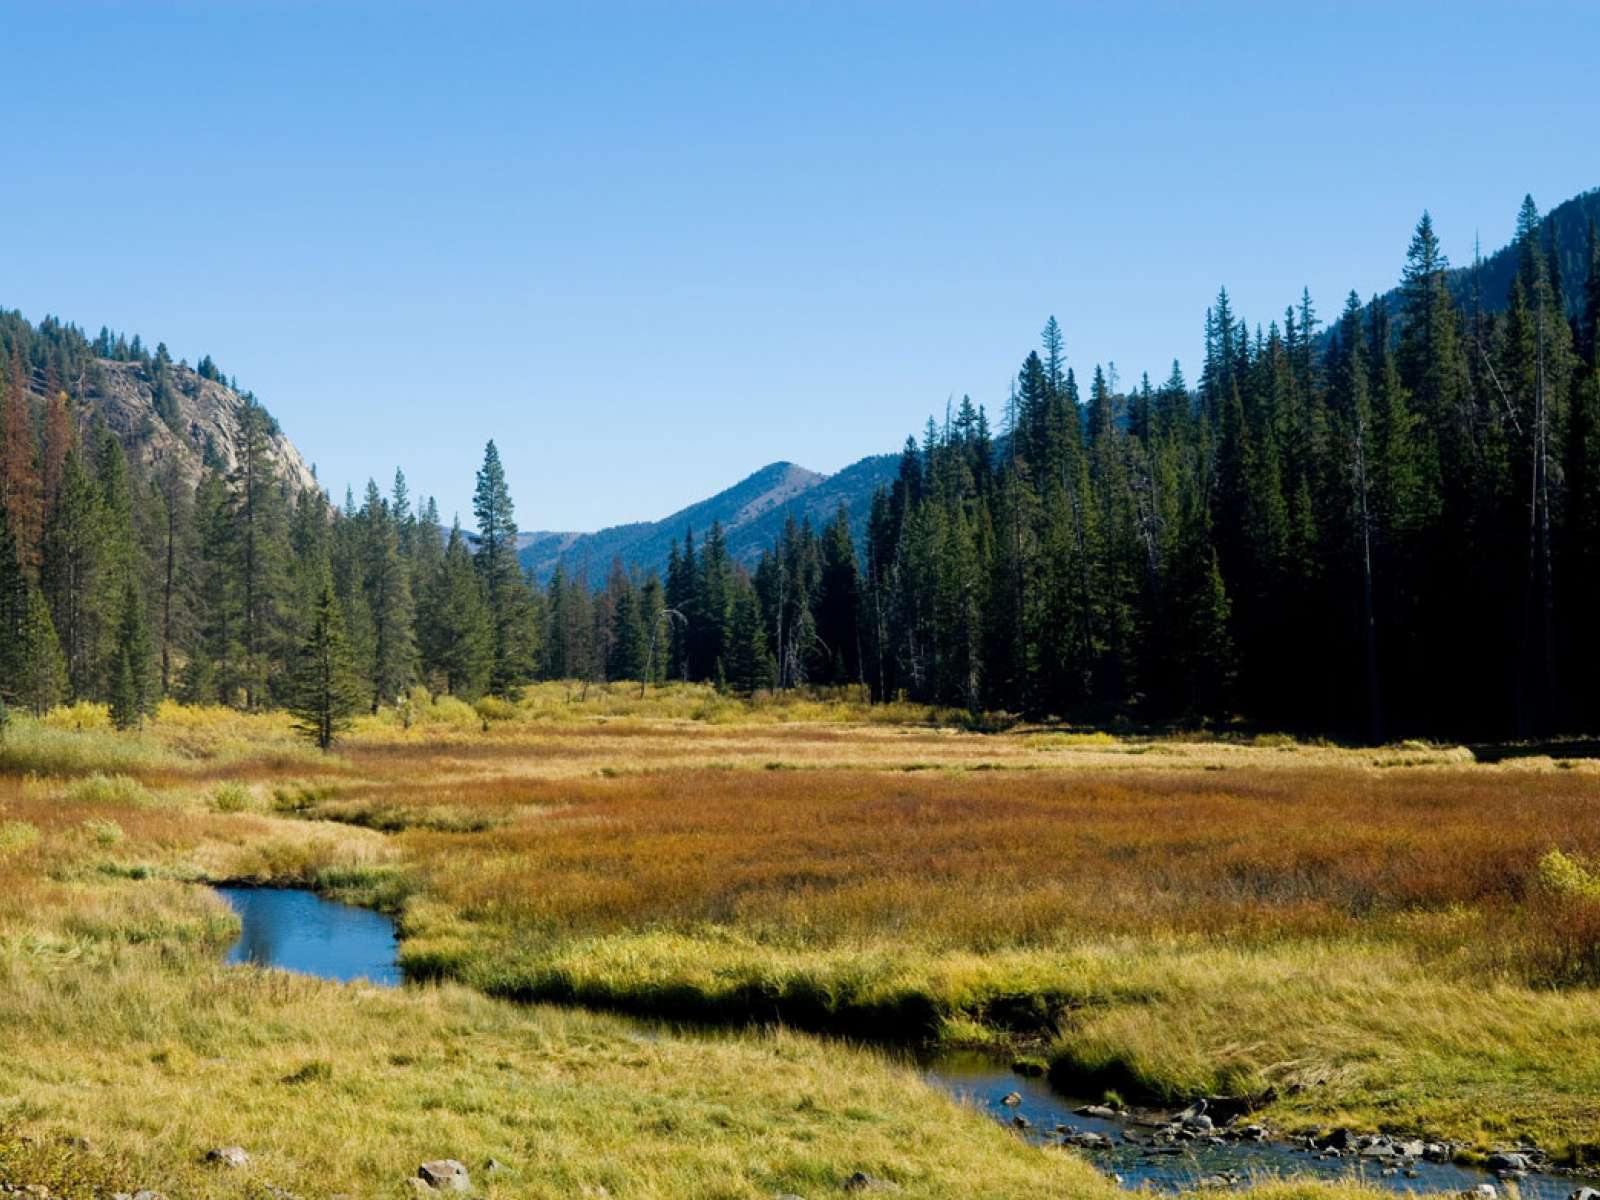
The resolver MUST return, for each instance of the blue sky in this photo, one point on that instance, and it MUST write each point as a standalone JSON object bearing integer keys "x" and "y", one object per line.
{"x": 651, "y": 247}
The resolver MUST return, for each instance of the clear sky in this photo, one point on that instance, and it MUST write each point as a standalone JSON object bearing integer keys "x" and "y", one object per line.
{"x": 652, "y": 247}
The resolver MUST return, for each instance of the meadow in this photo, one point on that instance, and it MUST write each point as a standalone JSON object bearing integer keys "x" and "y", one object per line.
{"x": 1400, "y": 938}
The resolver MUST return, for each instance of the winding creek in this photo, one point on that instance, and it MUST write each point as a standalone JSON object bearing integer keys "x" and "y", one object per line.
{"x": 297, "y": 930}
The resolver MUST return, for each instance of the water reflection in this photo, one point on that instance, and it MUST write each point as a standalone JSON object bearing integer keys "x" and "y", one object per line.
{"x": 298, "y": 930}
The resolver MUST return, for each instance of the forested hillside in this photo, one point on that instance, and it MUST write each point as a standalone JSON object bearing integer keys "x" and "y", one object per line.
{"x": 1391, "y": 525}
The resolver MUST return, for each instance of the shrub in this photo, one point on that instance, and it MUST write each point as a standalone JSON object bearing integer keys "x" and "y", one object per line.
{"x": 449, "y": 710}
{"x": 110, "y": 789}
{"x": 83, "y": 717}
{"x": 231, "y": 797}
{"x": 494, "y": 708}
{"x": 105, "y": 832}
{"x": 1564, "y": 875}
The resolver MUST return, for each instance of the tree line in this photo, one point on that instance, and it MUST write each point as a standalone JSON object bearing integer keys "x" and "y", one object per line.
{"x": 1388, "y": 526}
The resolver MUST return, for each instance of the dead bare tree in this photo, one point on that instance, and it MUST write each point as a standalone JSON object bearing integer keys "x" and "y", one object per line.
{"x": 668, "y": 615}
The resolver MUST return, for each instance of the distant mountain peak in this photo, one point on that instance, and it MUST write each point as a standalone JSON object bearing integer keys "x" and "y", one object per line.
{"x": 751, "y": 512}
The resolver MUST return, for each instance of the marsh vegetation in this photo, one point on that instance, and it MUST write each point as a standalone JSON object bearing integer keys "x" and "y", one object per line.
{"x": 1397, "y": 938}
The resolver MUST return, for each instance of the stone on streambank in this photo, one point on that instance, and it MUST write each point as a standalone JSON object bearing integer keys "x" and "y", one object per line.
{"x": 445, "y": 1175}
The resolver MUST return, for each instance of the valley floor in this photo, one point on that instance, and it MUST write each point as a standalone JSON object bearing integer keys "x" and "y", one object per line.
{"x": 1400, "y": 939}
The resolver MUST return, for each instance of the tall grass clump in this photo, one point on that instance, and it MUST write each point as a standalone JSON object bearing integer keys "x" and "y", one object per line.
{"x": 17, "y": 836}
{"x": 49, "y": 747}
{"x": 111, "y": 791}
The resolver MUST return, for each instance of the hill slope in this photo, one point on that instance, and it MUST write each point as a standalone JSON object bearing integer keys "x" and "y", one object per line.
{"x": 1566, "y": 237}
{"x": 204, "y": 419}
{"x": 751, "y": 513}
{"x": 207, "y": 426}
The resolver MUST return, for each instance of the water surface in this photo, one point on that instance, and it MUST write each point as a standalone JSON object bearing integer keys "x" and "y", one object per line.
{"x": 297, "y": 930}
{"x": 984, "y": 1084}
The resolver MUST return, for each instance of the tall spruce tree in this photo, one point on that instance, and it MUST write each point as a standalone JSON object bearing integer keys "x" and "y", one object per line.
{"x": 510, "y": 605}
{"x": 458, "y": 630}
{"x": 325, "y": 690}
{"x": 132, "y": 690}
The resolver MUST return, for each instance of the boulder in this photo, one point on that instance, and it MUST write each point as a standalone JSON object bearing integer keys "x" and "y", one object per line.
{"x": 1507, "y": 1160}
{"x": 232, "y": 1157}
{"x": 1086, "y": 1140}
{"x": 445, "y": 1175}
{"x": 1339, "y": 1139}
{"x": 1011, "y": 1099}
{"x": 1099, "y": 1111}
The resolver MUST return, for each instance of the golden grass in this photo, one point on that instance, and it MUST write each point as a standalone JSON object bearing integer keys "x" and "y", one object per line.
{"x": 1382, "y": 936}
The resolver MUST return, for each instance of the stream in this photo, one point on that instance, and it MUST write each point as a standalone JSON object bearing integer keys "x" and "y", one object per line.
{"x": 297, "y": 930}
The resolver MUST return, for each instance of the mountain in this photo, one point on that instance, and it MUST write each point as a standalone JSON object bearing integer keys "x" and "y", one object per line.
{"x": 751, "y": 513}
{"x": 205, "y": 426}
{"x": 162, "y": 412}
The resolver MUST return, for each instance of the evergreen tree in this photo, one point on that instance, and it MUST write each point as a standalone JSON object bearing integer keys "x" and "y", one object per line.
{"x": 515, "y": 643}
{"x": 838, "y": 606}
{"x": 458, "y": 634}
{"x": 388, "y": 594}
{"x": 132, "y": 693}
{"x": 260, "y": 539}
{"x": 325, "y": 691}
{"x": 749, "y": 667}
{"x": 77, "y": 580}
{"x": 36, "y": 669}
{"x": 19, "y": 467}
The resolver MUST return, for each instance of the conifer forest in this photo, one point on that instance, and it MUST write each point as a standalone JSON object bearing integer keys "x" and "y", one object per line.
{"x": 1370, "y": 519}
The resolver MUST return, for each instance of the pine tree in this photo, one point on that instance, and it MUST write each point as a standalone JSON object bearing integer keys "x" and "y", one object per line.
{"x": 325, "y": 691}
{"x": 76, "y": 579}
{"x": 838, "y": 606}
{"x": 14, "y": 588}
{"x": 458, "y": 634}
{"x": 388, "y": 592}
{"x": 711, "y": 602}
{"x": 510, "y": 605}
{"x": 211, "y": 675}
{"x": 19, "y": 469}
{"x": 259, "y": 528}
{"x": 625, "y": 655}
{"x": 132, "y": 693}
{"x": 40, "y": 672}
{"x": 749, "y": 667}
